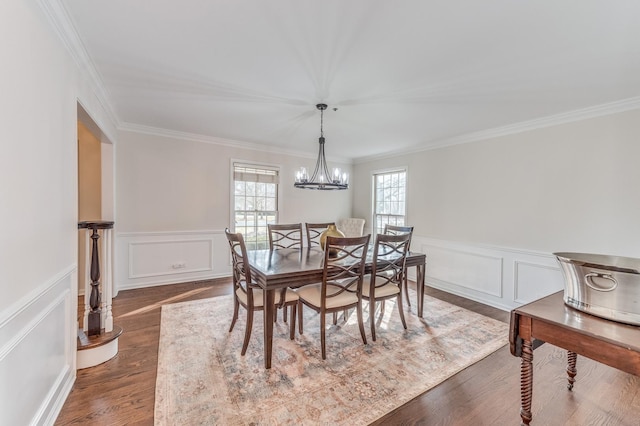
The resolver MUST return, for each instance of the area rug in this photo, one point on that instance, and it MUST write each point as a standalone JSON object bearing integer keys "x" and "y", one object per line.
{"x": 203, "y": 380}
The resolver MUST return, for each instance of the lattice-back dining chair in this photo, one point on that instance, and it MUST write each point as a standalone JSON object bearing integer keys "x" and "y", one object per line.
{"x": 387, "y": 275}
{"x": 313, "y": 232}
{"x": 400, "y": 230}
{"x": 285, "y": 235}
{"x": 248, "y": 294}
{"x": 344, "y": 262}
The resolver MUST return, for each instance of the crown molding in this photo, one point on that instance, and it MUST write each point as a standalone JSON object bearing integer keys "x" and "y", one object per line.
{"x": 524, "y": 126}
{"x": 194, "y": 137}
{"x": 62, "y": 24}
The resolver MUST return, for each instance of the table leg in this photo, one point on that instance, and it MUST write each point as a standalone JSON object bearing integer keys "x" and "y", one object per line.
{"x": 269, "y": 309}
{"x": 526, "y": 382}
{"x": 572, "y": 357}
{"x": 420, "y": 272}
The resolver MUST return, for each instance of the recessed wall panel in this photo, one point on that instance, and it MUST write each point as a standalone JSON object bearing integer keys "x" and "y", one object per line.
{"x": 153, "y": 258}
{"x": 533, "y": 281}
{"x": 481, "y": 273}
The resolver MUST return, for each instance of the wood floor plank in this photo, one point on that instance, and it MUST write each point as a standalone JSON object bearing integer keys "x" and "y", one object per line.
{"x": 122, "y": 390}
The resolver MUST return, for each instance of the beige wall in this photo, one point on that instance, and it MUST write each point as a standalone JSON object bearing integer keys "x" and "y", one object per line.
{"x": 89, "y": 190}
{"x": 571, "y": 187}
{"x": 167, "y": 184}
{"x": 89, "y": 175}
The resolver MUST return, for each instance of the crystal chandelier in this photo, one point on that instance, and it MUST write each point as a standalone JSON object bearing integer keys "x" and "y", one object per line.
{"x": 321, "y": 178}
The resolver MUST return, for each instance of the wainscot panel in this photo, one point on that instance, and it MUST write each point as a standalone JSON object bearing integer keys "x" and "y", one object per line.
{"x": 147, "y": 259}
{"x": 475, "y": 271}
{"x": 38, "y": 352}
{"x": 497, "y": 276}
{"x": 531, "y": 281}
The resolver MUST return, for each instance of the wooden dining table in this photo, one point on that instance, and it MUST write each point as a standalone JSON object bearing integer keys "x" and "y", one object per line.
{"x": 277, "y": 269}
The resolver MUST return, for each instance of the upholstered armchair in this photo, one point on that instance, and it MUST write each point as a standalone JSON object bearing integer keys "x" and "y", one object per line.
{"x": 351, "y": 227}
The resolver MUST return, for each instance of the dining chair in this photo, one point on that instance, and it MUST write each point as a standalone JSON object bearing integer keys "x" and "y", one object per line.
{"x": 351, "y": 226}
{"x": 313, "y": 232}
{"x": 399, "y": 230}
{"x": 248, "y": 294}
{"x": 387, "y": 275}
{"x": 285, "y": 235}
{"x": 343, "y": 267}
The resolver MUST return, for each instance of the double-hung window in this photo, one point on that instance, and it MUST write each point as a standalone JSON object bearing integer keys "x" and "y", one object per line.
{"x": 255, "y": 202}
{"x": 389, "y": 199}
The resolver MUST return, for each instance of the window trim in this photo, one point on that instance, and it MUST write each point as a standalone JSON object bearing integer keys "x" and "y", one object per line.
{"x": 249, "y": 163}
{"x": 376, "y": 172}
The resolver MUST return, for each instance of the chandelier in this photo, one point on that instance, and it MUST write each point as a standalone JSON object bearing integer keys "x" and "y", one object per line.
{"x": 321, "y": 178}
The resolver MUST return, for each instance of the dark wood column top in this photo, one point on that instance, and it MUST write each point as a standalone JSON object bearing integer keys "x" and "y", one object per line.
{"x": 95, "y": 224}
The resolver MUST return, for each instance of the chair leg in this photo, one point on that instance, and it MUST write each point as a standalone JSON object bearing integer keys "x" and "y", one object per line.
{"x": 247, "y": 331}
{"x": 323, "y": 321}
{"x": 382, "y": 307}
{"x": 335, "y": 318}
{"x": 292, "y": 326}
{"x": 372, "y": 317}
{"x": 406, "y": 290}
{"x": 361, "y": 322}
{"x": 236, "y": 306}
{"x": 300, "y": 305}
{"x": 401, "y": 310}
{"x": 284, "y": 313}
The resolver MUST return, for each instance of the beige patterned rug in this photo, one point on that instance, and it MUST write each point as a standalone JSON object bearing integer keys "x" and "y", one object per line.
{"x": 203, "y": 380}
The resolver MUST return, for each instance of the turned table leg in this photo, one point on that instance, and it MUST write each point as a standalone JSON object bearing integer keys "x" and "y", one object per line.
{"x": 526, "y": 382}
{"x": 571, "y": 368}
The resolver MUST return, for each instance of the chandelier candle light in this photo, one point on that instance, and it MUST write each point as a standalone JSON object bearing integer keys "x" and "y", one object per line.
{"x": 321, "y": 178}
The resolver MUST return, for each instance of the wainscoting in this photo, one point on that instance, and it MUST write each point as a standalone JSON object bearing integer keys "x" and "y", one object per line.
{"x": 38, "y": 352}
{"x": 146, "y": 259}
{"x": 497, "y": 276}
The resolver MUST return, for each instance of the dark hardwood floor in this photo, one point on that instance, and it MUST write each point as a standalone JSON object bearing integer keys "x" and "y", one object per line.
{"x": 121, "y": 391}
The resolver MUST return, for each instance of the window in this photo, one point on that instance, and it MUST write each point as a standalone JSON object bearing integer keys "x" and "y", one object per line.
{"x": 389, "y": 199}
{"x": 255, "y": 202}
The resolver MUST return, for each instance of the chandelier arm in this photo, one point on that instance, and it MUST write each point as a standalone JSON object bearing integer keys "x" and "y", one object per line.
{"x": 319, "y": 163}
{"x": 327, "y": 175}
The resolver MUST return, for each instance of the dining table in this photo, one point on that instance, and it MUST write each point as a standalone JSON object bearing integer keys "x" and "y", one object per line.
{"x": 276, "y": 269}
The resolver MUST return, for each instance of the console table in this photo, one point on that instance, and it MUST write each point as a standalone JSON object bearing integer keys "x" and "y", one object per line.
{"x": 550, "y": 320}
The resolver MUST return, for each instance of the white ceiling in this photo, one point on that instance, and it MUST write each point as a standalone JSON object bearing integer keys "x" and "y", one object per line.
{"x": 403, "y": 74}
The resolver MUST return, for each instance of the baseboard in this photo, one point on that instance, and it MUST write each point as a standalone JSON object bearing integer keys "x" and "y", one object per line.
{"x": 165, "y": 281}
